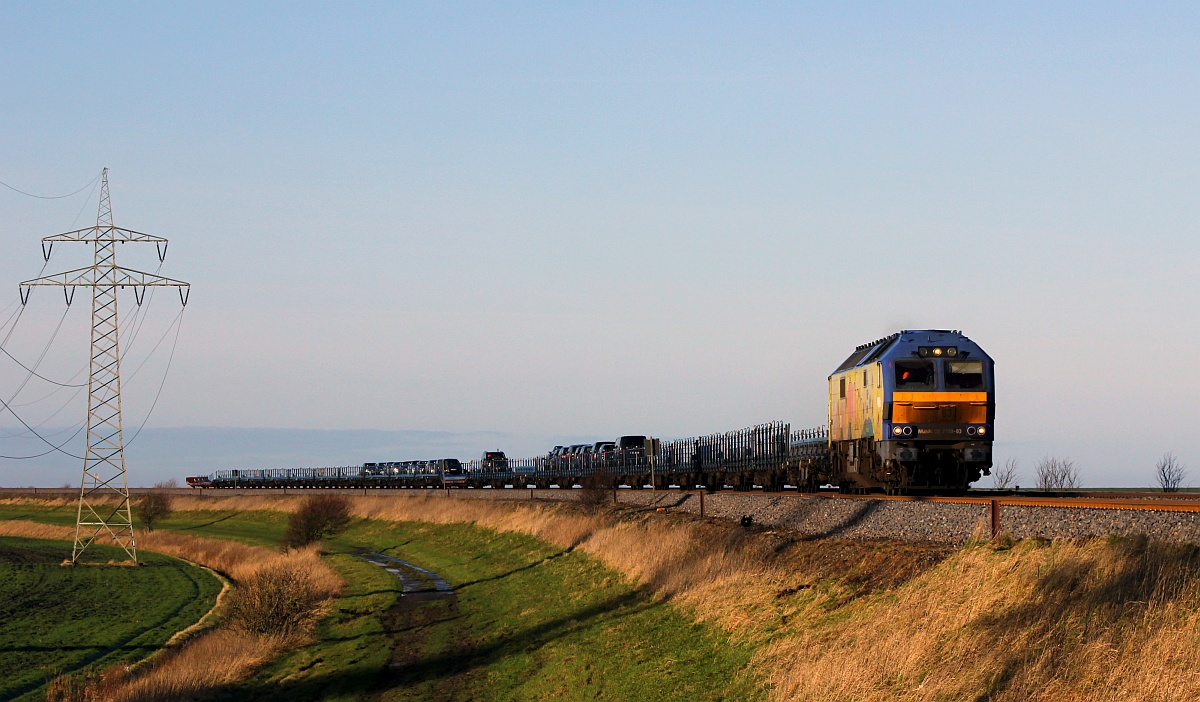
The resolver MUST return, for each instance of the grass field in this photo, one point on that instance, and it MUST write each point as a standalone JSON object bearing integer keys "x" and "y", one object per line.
{"x": 546, "y": 607}
{"x": 56, "y": 619}
{"x": 527, "y": 621}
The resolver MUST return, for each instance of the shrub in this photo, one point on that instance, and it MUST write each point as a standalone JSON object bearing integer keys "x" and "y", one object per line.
{"x": 597, "y": 491}
{"x": 153, "y": 506}
{"x": 318, "y": 517}
{"x": 282, "y": 598}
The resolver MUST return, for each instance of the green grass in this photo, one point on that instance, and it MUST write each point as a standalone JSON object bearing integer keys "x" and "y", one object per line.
{"x": 56, "y": 619}
{"x": 254, "y": 528}
{"x": 529, "y": 621}
{"x": 34, "y": 512}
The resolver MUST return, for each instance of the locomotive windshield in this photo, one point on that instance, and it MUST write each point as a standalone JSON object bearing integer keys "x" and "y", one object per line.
{"x": 964, "y": 375}
{"x": 914, "y": 375}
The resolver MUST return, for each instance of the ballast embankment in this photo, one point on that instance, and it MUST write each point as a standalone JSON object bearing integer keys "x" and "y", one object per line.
{"x": 938, "y": 519}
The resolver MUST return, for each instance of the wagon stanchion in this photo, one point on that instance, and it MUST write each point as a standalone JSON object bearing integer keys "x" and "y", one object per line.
{"x": 765, "y": 454}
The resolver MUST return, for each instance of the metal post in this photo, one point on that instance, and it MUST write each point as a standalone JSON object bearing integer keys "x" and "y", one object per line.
{"x": 702, "y": 503}
{"x": 995, "y": 519}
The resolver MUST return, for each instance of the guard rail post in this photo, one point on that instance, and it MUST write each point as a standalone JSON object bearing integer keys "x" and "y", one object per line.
{"x": 995, "y": 519}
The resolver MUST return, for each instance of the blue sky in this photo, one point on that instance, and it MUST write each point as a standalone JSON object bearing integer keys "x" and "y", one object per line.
{"x": 580, "y": 220}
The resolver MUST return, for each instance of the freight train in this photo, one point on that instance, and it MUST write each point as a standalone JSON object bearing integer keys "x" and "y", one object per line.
{"x": 912, "y": 412}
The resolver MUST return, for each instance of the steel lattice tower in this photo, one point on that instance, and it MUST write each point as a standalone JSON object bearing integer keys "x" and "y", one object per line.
{"x": 104, "y": 460}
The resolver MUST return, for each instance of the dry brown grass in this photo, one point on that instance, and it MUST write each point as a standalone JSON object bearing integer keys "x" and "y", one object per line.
{"x": 1102, "y": 620}
{"x": 33, "y": 530}
{"x": 213, "y": 659}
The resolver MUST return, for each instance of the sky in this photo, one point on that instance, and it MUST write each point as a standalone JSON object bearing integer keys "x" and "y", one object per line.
{"x": 441, "y": 228}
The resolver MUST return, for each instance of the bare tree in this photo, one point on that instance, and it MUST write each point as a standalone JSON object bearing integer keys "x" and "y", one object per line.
{"x": 1005, "y": 477}
{"x": 1170, "y": 472}
{"x": 1057, "y": 474}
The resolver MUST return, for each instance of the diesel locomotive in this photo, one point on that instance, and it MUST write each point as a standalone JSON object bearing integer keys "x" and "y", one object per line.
{"x": 912, "y": 412}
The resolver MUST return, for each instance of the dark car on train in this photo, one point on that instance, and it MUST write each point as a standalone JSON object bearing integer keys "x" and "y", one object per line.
{"x": 493, "y": 460}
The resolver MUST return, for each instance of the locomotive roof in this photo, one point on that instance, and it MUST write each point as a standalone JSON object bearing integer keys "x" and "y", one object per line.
{"x": 901, "y": 340}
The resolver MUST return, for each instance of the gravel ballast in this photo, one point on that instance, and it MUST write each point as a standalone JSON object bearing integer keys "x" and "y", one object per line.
{"x": 828, "y": 516}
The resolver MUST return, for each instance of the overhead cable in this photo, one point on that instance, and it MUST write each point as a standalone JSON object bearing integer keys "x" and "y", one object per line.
{"x": 33, "y": 371}
{"x": 51, "y": 197}
{"x": 178, "y": 327}
{"x": 33, "y": 431}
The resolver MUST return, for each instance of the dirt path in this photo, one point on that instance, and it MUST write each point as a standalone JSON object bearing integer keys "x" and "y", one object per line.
{"x": 426, "y": 599}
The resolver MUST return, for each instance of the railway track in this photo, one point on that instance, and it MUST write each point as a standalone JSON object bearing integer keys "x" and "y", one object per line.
{"x": 1137, "y": 501}
{"x": 957, "y": 518}
{"x": 1156, "y": 501}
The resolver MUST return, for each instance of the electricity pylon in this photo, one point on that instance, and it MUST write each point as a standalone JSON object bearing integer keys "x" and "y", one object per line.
{"x": 104, "y": 461}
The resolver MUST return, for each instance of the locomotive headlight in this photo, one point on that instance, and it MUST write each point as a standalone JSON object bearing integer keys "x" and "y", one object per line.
{"x": 937, "y": 352}
{"x": 951, "y": 352}
{"x": 897, "y": 430}
{"x": 982, "y": 431}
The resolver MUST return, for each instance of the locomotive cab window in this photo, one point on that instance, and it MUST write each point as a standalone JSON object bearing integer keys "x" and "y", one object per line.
{"x": 964, "y": 375}
{"x": 914, "y": 375}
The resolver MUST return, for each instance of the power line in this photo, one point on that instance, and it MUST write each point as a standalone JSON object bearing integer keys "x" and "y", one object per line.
{"x": 45, "y": 350}
{"x": 133, "y": 322}
{"x": 84, "y": 205}
{"x": 33, "y": 371}
{"x": 146, "y": 360}
{"x": 35, "y": 433}
{"x": 170, "y": 358}
{"x": 53, "y": 197}
{"x": 50, "y": 450}
{"x": 177, "y": 325}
